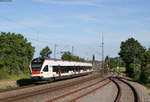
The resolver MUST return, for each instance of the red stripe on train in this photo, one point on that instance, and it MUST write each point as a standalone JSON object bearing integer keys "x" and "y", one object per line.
{"x": 35, "y": 72}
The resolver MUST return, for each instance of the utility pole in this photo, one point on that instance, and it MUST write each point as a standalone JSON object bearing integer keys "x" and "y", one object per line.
{"x": 55, "y": 50}
{"x": 102, "y": 45}
{"x": 72, "y": 50}
{"x": 93, "y": 61}
{"x": 93, "y": 58}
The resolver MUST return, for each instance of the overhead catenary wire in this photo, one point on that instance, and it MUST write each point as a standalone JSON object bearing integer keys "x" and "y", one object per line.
{"x": 36, "y": 38}
{"x": 34, "y": 30}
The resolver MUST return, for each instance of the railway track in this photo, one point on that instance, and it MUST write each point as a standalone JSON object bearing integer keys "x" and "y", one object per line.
{"x": 78, "y": 93}
{"x": 75, "y": 98}
{"x": 34, "y": 84}
{"x": 47, "y": 90}
{"x": 118, "y": 96}
{"x": 115, "y": 80}
{"x": 120, "y": 92}
{"x": 27, "y": 86}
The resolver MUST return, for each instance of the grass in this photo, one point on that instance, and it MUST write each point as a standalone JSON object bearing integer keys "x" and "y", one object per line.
{"x": 13, "y": 78}
{"x": 120, "y": 69}
{"x": 21, "y": 80}
{"x": 147, "y": 85}
{"x": 8, "y": 87}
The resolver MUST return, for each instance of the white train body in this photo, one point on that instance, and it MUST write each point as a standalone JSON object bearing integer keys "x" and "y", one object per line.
{"x": 43, "y": 69}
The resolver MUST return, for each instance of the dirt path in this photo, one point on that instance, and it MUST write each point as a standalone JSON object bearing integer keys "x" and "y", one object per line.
{"x": 7, "y": 84}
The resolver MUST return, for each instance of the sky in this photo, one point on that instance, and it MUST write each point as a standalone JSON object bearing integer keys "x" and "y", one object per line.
{"x": 78, "y": 23}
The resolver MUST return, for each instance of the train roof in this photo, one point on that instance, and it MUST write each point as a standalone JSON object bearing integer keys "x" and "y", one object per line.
{"x": 63, "y": 62}
{"x": 53, "y": 59}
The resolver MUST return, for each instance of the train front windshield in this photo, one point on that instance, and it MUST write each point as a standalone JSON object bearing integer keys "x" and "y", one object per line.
{"x": 37, "y": 65}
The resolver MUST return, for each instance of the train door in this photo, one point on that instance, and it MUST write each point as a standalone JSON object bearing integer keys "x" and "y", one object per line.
{"x": 74, "y": 70}
{"x": 46, "y": 71}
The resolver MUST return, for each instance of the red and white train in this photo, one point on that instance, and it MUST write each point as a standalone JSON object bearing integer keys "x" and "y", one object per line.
{"x": 51, "y": 69}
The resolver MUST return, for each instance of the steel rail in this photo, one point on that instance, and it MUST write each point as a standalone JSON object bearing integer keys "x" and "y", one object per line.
{"x": 74, "y": 91}
{"x": 43, "y": 91}
{"x": 135, "y": 93}
{"x": 85, "y": 94}
{"x": 119, "y": 92}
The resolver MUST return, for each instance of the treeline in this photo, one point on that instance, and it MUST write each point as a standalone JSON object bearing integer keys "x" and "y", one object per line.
{"x": 115, "y": 62}
{"x": 69, "y": 56}
{"x": 137, "y": 60}
{"x": 46, "y": 52}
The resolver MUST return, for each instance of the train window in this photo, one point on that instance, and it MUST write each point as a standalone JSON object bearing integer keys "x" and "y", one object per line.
{"x": 45, "y": 68}
{"x": 36, "y": 68}
{"x": 63, "y": 69}
{"x": 38, "y": 60}
{"x": 37, "y": 64}
{"x": 74, "y": 69}
{"x": 55, "y": 69}
{"x": 84, "y": 68}
{"x": 66, "y": 69}
{"x": 69, "y": 68}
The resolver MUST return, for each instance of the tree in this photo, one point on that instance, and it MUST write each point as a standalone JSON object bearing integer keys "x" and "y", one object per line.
{"x": 111, "y": 62}
{"x": 135, "y": 69}
{"x": 15, "y": 54}
{"x": 107, "y": 62}
{"x": 67, "y": 56}
{"x": 70, "y": 57}
{"x": 45, "y": 52}
{"x": 130, "y": 51}
{"x": 145, "y": 69}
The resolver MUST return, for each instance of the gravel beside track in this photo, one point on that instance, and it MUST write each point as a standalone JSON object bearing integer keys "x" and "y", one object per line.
{"x": 89, "y": 92}
{"x": 16, "y": 88}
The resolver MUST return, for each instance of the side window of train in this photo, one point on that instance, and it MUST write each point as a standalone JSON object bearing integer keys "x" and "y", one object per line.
{"x": 55, "y": 69}
{"x": 45, "y": 68}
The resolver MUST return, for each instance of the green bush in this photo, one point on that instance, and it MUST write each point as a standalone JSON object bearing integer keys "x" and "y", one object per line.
{"x": 148, "y": 85}
{"x": 4, "y": 73}
{"x": 15, "y": 55}
{"x": 135, "y": 70}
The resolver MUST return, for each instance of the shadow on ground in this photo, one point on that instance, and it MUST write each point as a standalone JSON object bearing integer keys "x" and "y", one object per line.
{"x": 24, "y": 82}
{"x": 29, "y": 81}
